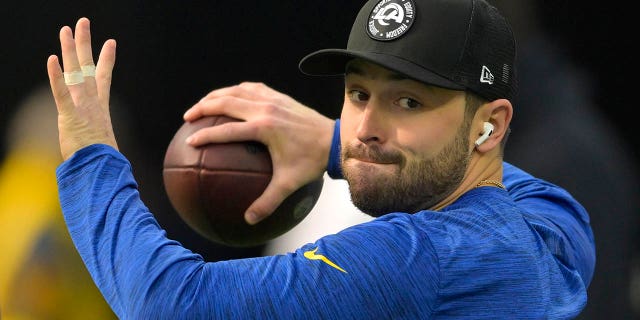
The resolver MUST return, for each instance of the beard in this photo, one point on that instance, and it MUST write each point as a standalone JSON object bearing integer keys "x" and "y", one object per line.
{"x": 416, "y": 184}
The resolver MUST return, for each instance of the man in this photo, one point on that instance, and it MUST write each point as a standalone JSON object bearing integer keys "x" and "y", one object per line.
{"x": 458, "y": 234}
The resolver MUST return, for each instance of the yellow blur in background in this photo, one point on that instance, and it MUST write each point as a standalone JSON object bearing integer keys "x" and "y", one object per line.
{"x": 41, "y": 273}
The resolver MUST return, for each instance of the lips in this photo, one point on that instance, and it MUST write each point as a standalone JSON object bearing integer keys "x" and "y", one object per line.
{"x": 372, "y": 155}
{"x": 369, "y": 160}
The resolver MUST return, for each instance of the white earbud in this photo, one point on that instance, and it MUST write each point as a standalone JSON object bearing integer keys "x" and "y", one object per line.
{"x": 488, "y": 130}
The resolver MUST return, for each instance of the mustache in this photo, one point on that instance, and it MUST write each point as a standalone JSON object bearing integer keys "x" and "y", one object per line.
{"x": 371, "y": 153}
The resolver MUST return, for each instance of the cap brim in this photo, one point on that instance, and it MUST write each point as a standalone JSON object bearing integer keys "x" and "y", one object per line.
{"x": 332, "y": 62}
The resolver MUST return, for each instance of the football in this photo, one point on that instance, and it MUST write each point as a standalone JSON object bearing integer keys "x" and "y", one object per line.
{"x": 211, "y": 187}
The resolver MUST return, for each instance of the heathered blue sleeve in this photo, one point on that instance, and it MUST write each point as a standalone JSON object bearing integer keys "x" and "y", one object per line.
{"x": 334, "y": 169}
{"x": 558, "y": 218}
{"x": 144, "y": 275}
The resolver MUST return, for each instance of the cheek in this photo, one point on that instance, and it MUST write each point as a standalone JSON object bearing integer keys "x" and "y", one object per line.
{"x": 348, "y": 123}
{"x": 426, "y": 138}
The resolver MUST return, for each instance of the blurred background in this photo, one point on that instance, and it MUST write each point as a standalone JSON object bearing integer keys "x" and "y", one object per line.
{"x": 572, "y": 123}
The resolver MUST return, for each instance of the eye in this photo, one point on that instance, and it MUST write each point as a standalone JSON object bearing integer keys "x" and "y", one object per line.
{"x": 409, "y": 103}
{"x": 358, "y": 96}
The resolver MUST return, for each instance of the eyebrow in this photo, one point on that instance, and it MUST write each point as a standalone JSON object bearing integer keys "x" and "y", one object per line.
{"x": 395, "y": 76}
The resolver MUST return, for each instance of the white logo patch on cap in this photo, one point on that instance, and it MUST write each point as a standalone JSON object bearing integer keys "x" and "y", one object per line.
{"x": 390, "y": 19}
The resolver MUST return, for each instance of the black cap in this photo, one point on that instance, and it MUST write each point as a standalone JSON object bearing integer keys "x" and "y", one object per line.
{"x": 455, "y": 44}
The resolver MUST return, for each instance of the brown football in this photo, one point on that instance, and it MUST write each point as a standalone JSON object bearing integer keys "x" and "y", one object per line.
{"x": 211, "y": 187}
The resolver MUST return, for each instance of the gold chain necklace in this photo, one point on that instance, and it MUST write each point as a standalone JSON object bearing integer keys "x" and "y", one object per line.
{"x": 491, "y": 183}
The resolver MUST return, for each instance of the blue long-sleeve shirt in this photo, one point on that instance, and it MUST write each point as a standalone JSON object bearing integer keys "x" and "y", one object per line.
{"x": 527, "y": 253}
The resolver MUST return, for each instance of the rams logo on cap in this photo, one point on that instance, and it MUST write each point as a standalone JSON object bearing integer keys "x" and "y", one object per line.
{"x": 390, "y": 19}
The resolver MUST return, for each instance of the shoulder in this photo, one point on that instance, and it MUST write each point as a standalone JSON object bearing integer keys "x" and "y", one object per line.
{"x": 558, "y": 218}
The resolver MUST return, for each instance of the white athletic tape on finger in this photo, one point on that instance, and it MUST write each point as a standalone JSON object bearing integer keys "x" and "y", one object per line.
{"x": 75, "y": 77}
{"x": 89, "y": 70}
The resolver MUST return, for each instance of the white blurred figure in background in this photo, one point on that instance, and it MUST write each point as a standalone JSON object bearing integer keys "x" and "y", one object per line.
{"x": 333, "y": 212}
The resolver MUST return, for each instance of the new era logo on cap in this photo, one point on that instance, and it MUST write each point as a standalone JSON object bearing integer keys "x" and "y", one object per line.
{"x": 390, "y": 19}
{"x": 486, "y": 76}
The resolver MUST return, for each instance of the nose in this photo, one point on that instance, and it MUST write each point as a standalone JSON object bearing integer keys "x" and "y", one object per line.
{"x": 371, "y": 128}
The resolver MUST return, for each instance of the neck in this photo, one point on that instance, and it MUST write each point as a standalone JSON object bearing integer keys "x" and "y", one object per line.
{"x": 483, "y": 170}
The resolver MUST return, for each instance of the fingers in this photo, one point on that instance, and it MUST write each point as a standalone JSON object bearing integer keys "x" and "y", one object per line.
{"x": 246, "y": 90}
{"x": 104, "y": 71}
{"x": 298, "y": 138}
{"x": 59, "y": 88}
{"x": 227, "y": 132}
{"x": 232, "y": 106}
{"x": 81, "y": 76}
{"x": 267, "y": 203}
{"x": 83, "y": 42}
{"x": 71, "y": 65}
{"x": 216, "y": 101}
{"x": 77, "y": 56}
{"x": 81, "y": 90}
{"x": 73, "y": 77}
{"x": 252, "y": 112}
{"x": 85, "y": 55}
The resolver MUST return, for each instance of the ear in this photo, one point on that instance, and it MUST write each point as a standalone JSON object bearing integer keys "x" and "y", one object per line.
{"x": 498, "y": 113}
